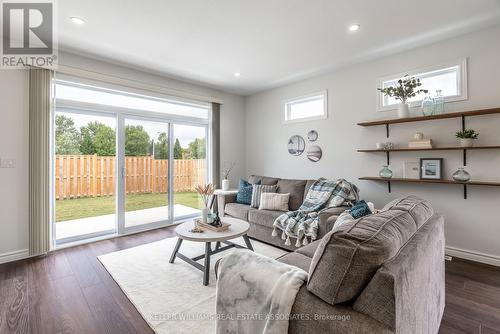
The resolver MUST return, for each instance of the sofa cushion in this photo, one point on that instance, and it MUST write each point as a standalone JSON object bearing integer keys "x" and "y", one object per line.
{"x": 296, "y": 190}
{"x": 263, "y": 217}
{"x": 269, "y": 181}
{"x": 347, "y": 258}
{"x": 419, "y": 209}
{"x": 237, "y": 210}
{"x": 309, "y": 250}
{"x": 296, "y": 259}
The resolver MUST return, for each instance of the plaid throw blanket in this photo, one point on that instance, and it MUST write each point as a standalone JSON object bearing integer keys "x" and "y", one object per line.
{"x": 304, "y": 222}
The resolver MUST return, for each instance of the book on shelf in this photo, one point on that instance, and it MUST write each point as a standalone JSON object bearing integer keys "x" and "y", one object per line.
{"x": 423, "y": 143}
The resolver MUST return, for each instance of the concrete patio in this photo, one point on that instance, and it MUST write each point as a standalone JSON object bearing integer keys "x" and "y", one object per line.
{"x": 91, "y": 225}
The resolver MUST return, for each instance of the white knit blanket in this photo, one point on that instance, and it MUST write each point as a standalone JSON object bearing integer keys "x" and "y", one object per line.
{"x": 255, "y": 294}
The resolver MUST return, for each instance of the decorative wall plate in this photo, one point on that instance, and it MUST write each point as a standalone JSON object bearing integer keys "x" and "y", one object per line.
{"x": 312, "y": 135}
{"x": 296, "y": 145}
{"x": 314, "y": 153}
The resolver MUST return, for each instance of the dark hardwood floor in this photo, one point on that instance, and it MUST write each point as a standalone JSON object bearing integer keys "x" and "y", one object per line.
{"x": 69, "y": 291}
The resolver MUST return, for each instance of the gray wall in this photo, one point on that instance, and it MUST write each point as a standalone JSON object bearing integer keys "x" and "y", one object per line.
{"x": 14, "y": 141}
{"x": 472, "y": 226}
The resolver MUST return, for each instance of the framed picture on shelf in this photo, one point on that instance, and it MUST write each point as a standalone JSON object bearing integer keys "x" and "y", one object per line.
{"x": 431, "y": 169}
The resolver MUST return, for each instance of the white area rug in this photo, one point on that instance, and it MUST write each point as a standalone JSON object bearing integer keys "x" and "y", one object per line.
{"x": 171, "y": 297}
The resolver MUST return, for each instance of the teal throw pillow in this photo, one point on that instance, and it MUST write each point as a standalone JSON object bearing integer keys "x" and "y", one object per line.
{"x": 244, "y": 195}
{"x": 360, "y": 209}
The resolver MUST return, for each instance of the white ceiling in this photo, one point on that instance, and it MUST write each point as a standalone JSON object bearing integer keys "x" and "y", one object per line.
{"x": 271, "y": 42}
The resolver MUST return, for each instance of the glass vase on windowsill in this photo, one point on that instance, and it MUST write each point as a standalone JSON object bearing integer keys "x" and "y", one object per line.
{"x": 427, "y": 105}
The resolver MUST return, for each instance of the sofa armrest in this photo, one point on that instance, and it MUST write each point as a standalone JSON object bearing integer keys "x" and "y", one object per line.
{"x": 327, "y": 218}
{"x": 222, "y": 200}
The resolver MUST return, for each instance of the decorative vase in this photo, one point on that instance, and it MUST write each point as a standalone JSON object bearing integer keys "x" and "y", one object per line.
{"x": 204, "y": 215}
{"x": 385, "y": 172}
{"x": 225, "y": 184}
{"x": 403, "y": 110}
{"x": 461, "y": 175}
{"x": 438, "y": 102}
{"x": 427, "y": 105}
{"x": 466, "y": 142}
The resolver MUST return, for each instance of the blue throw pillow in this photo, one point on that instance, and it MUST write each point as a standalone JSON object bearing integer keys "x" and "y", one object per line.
{"x": 360, "y": 209}
{"x": 244, "y": 195}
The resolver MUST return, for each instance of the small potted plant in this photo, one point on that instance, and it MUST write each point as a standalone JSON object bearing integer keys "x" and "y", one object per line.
{"x": 205, "y": 192}
{"x": 406, "y": 88}
{"x": 467, "y": 137}
{"x": 225, "y": 175}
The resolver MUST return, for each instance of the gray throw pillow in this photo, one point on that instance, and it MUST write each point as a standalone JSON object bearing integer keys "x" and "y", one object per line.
{"x": 258, "y": 190}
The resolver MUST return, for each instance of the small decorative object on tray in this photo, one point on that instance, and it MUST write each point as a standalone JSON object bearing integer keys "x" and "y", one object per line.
{"x": 216, "y": 220}
{"x": 222, "y": 227}
{"x": 197, "y": 229}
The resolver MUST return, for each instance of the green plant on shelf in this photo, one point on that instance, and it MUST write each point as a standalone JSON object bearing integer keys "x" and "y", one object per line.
{"x": 467, "y": 134}
{"x": 405, "y": 89}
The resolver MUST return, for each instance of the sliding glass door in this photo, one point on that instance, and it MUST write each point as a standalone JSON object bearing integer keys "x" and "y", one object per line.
{"x": 124, "y": 162}
{"x": 146, "y": 176}
{"x": 189, "y": 168}
{"x": 84, "y": 174}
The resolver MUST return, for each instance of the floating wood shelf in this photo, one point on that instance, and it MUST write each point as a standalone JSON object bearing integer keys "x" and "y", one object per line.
{"x": 404, "y": 180}
{"x": 432, "y": 117}
{"x": 461, "y": 114}
{"x": 450, "y": 148}
{"x": 394, "y": 179}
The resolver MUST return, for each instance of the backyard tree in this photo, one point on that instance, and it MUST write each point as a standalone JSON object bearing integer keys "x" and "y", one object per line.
{"x": 197, "y": 148}
{"x": 98, "y": 138}
{"x": 67, "y": 136}
{"x": 136, "y": 141}
{"x": 177, "y": 149}
{"x": 161, "y": 146}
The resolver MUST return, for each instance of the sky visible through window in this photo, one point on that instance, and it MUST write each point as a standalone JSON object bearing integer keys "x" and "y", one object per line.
{"x": 306, "y": 109}
{"x": 137, "y": 102}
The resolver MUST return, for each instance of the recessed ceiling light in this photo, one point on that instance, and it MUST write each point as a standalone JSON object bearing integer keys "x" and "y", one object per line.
{"x": 77, "y": 20}
{"x": 237, "y": 74}
{"x": 354, "y": 27}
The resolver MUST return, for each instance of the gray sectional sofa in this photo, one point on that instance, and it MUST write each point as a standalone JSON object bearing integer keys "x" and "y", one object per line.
{"x": 261, "y": 221}
{"x": 383, "y": 273}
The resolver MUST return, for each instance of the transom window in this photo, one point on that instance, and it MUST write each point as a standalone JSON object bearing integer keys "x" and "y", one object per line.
{"x": 306, "y": 108}
{"x": 450, "y": 78}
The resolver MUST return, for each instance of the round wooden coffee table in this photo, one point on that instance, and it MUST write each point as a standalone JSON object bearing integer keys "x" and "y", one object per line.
{"x": 237, "y": 229}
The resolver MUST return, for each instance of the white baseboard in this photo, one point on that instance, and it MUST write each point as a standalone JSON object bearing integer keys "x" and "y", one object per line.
{"x": 452, "y": 251}
{"x": 14, "y": 256}
{"x": 473, "y": 256}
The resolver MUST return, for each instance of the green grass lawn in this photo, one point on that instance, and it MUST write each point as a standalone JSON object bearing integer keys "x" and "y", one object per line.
{"x": 96, "y": 206}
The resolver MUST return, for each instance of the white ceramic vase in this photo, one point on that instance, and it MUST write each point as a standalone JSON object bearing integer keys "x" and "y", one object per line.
{"x": 204, "y": 215}
{"x": 225, "y": 184}
{"x": 466, "y": 142}
{"x": 403, "y": 110}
